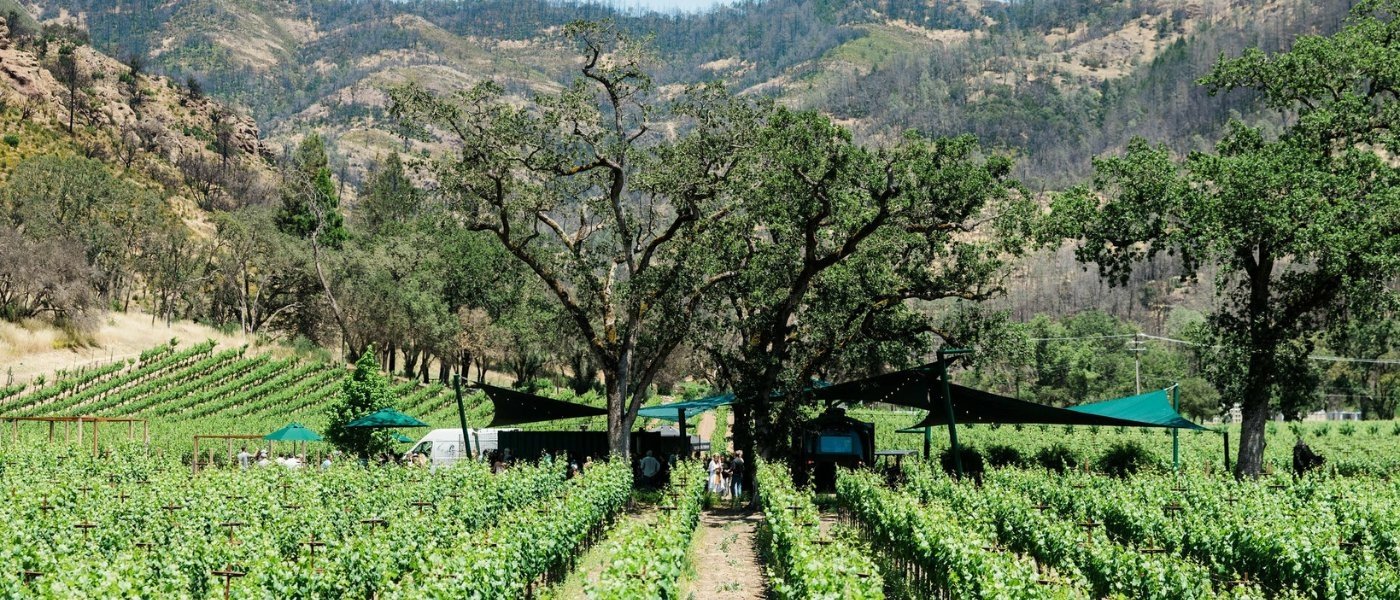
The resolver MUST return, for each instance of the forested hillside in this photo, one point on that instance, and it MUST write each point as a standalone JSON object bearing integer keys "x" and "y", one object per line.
{"x": 1057, "y": 82}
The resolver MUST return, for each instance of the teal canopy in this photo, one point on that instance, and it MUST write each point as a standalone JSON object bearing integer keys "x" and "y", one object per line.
{"x": 1153, "y": 409}
{"x": 921, "y": 388}
{"x": 402, "y": 439}
{"x": 293, "y": 433}
{"x": 385, "y": 419}
{"x": 692, "y": 408}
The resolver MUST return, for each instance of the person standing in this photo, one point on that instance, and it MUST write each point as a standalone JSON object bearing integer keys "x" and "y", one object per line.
{"x": 713, "y": 468}
{"x": 650, "y": 468}
{"x": 243, "y": 458}
{"x": 736, "y": 474}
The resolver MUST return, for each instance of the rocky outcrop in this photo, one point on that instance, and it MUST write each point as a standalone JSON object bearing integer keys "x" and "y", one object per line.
{"x": 140, "y": 123}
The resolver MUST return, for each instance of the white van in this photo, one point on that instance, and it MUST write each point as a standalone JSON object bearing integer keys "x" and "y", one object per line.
{"x": 446, "y": 446}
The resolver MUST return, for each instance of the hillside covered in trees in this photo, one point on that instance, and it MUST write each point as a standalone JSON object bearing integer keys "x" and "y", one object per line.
{"x": 1055, "y": 82}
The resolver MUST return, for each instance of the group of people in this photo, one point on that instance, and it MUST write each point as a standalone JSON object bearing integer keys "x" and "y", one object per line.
{"x": 577, "y": 468}
{"x": 290, "y": 461}
{"x": 726, "y": 474}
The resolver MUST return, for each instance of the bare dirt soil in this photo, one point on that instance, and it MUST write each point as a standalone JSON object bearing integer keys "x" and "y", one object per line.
{"x": 726, "y": 557}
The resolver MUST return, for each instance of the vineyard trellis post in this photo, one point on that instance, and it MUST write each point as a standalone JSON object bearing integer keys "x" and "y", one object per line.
{"x": 69, "y": 422}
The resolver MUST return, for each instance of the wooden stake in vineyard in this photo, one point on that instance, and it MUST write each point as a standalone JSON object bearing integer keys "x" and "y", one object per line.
{"x": 229, "y": 575}
{"x": 311, "y": 545}
{"x": 232, "y": 526}
{"x": 1089, "y": 531}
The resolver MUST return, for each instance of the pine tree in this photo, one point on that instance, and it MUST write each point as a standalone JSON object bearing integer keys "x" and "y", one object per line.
{"x": 309, "y": 197}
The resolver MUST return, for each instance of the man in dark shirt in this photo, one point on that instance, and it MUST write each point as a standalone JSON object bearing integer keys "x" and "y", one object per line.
{"x": 736, "y": 473}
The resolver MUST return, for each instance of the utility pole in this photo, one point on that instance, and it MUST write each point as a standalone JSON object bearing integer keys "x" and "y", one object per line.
{"x": 1137, "y": 349}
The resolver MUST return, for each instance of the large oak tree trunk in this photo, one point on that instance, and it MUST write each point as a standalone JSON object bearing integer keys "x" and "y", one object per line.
{"x": 1255, "y": 407}
{"x": 1258, "y": 381}
{"x": 619, "y": 429}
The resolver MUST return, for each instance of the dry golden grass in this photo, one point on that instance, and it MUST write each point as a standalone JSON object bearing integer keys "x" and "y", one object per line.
{"x": 33, "y": 347}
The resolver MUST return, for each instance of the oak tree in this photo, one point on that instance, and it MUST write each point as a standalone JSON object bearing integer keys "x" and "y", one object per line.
{"x": 1304, "y": 228}
{"x": 623, "y": 224}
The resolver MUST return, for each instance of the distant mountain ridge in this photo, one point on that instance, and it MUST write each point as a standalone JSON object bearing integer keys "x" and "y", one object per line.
{"x": 1052, "y": 81}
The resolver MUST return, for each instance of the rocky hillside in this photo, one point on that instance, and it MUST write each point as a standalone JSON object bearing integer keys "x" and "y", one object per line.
{"x": 1055, "y": 82}
{"x": 144, "y": 125}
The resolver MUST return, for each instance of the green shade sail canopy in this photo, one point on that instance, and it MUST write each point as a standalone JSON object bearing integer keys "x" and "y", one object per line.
{"x": 385, "y": 419}
{"x": 692, "y": 408}
{"x": 920, "y": 388}
{"x": 910, "y": 387}
{"x": 293, "y": 432}
{"x": 517, "y": 408}
{"x": 402, "y": 439}
{"x": 977, "y": 406}
{"x": 1153, "y": 407}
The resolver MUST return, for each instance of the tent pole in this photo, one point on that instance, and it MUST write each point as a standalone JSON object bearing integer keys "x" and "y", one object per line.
{"x": 1176, "y": 442}
{"x": 948, "y": 405}
{"x": 680, "y": 416}
{"x": 462, "y": 414}
{"x": 928, "y": 431}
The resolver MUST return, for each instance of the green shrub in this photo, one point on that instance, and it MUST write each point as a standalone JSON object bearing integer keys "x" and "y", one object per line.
{"x": 1373, "y": 429}
{"x": 1346, "y": 429}
{"x": 1322, "y": 430}
{"x": 11, "y": 140}
{"x": 1395, "y": 429}
{"x": 694, "y": 390}
{"x": 1000, "y": 455}
{"x": 1057, "y": 457}
{"x": 366, "y": 390}
{"x": 972, "y": 461}
{"x": 1126, "y": 458}
{"x": 539, "y": 385}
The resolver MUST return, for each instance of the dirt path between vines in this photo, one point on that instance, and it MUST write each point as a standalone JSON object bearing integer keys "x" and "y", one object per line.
{"x": 706, "y": 428}
{"x": 726, "y": 557}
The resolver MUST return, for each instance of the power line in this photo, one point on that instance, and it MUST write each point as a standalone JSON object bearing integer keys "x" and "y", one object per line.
{"x": 1085, "y": 337}
{"x": 1170, "y": 340}
{"x": 1372, "y": 361}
